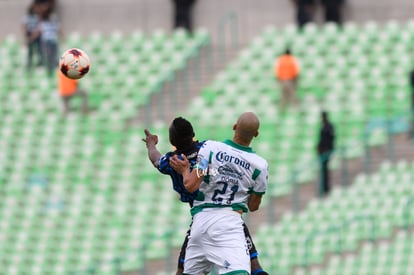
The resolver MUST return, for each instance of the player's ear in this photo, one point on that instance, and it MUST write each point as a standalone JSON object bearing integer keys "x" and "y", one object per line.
{"x": 235, "y": 126}
{"x": 256, "y": 134}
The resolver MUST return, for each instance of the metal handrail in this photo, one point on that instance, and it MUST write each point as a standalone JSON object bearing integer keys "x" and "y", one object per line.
{"x": 228, "y": 18}
{"x": 386, "y": 123}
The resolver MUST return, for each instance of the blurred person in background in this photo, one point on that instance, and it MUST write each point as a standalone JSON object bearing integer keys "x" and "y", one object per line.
{"x": 181, "y": 136}
{"x": 183, "y": 14}
{"x": 46, "y": 5}
{"x": 325, "y": 149}
{"x": 30, "y": 24}
{"x": 52, "y": 6}
{"x": 286, "y": 70}
{"x": 49, "y": 32}
{"x": 333, "y": 10}
{"x": 68, "y": 89}
{"x": 304, "y": 11}
{"x": 411, "y": 133}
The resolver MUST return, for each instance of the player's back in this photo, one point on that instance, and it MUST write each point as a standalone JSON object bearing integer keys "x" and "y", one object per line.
{"x": 234, "y": 171}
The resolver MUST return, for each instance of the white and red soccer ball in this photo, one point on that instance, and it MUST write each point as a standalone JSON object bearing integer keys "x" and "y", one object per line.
{"x": 74, "y": 63}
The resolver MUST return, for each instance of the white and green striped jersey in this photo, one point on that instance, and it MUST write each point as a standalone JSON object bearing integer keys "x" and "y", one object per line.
{"x": 234, "y": 172}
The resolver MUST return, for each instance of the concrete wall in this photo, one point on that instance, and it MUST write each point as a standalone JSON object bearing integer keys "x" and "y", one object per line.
{"x": 147, "y": 15}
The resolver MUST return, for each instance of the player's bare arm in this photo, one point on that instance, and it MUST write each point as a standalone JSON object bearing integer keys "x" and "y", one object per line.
{"x": 151, "y": 142}
{"x": 254, "y": 202}
{"x": 191, "y": 179}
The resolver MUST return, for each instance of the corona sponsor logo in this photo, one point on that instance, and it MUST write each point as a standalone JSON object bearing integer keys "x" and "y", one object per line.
{"x": 224, "y": 157}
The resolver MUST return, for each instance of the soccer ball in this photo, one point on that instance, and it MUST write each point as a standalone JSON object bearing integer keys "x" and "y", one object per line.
{"x": 74, "y": 63}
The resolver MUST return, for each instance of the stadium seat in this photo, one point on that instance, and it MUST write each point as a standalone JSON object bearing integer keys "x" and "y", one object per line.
{"x": 340, "y": 222}
{"x": 61, "y": 164}
{"x": 388, "y": 258}
{"x": 91, "y": 165}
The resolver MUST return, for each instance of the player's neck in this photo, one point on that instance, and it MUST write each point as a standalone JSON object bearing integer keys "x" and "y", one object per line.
{"x": 240, "y": 141}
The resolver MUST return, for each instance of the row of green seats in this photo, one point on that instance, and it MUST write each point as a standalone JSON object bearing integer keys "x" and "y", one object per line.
{"x": 368, "y": 210}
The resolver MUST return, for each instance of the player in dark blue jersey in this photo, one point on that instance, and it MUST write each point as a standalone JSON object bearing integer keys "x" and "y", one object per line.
{"x": 181, "y": 135}
{"x": 177, "y": 180}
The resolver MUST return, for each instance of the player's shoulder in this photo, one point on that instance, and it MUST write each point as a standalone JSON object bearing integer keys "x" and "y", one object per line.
{"x": 167, "y": 156}
{"x": 261, "y": 160}
{"x": 211, "y": 143}
{"x": 258, "y": 160}
{"x": 200, "y": 144}
{"x": 164, "y": 162}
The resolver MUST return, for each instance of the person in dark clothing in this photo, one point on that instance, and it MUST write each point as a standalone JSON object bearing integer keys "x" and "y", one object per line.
{"x": 304, "y": 11}
{"x": 49, "y": 29}
{"x": 412, "y": 104}
{"x": 183, "y": 14}
{"x": 325, "y": 148}
{"x": 333, "y": 10}
{"x": 30, "y": 24}
{"x": 181, "y": 136}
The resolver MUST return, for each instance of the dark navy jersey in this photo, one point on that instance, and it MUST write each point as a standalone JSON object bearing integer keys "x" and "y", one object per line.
{"x": 177, "y": 180}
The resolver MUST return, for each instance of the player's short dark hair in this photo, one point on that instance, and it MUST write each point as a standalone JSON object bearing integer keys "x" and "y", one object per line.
{"x": 181, "y": 133}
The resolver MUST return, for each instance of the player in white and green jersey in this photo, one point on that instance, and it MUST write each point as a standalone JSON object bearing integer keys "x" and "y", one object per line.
{"x": 234, "y": 171}
{"x": 231, "y": 179}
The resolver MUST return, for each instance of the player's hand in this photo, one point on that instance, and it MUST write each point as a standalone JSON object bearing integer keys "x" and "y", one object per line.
{"x": 150, "y": 139}
{"x": 180, "y": 163}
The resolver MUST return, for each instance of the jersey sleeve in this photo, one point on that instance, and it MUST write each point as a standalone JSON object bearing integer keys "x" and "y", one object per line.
{"x": 204, "y": 153}
{"x": 164, "y": 164}
{"x": 261, "y": 180}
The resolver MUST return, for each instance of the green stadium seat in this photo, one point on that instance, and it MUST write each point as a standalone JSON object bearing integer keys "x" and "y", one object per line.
{"x": 340, "y": 223}
{"x": 78, "y": 152}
